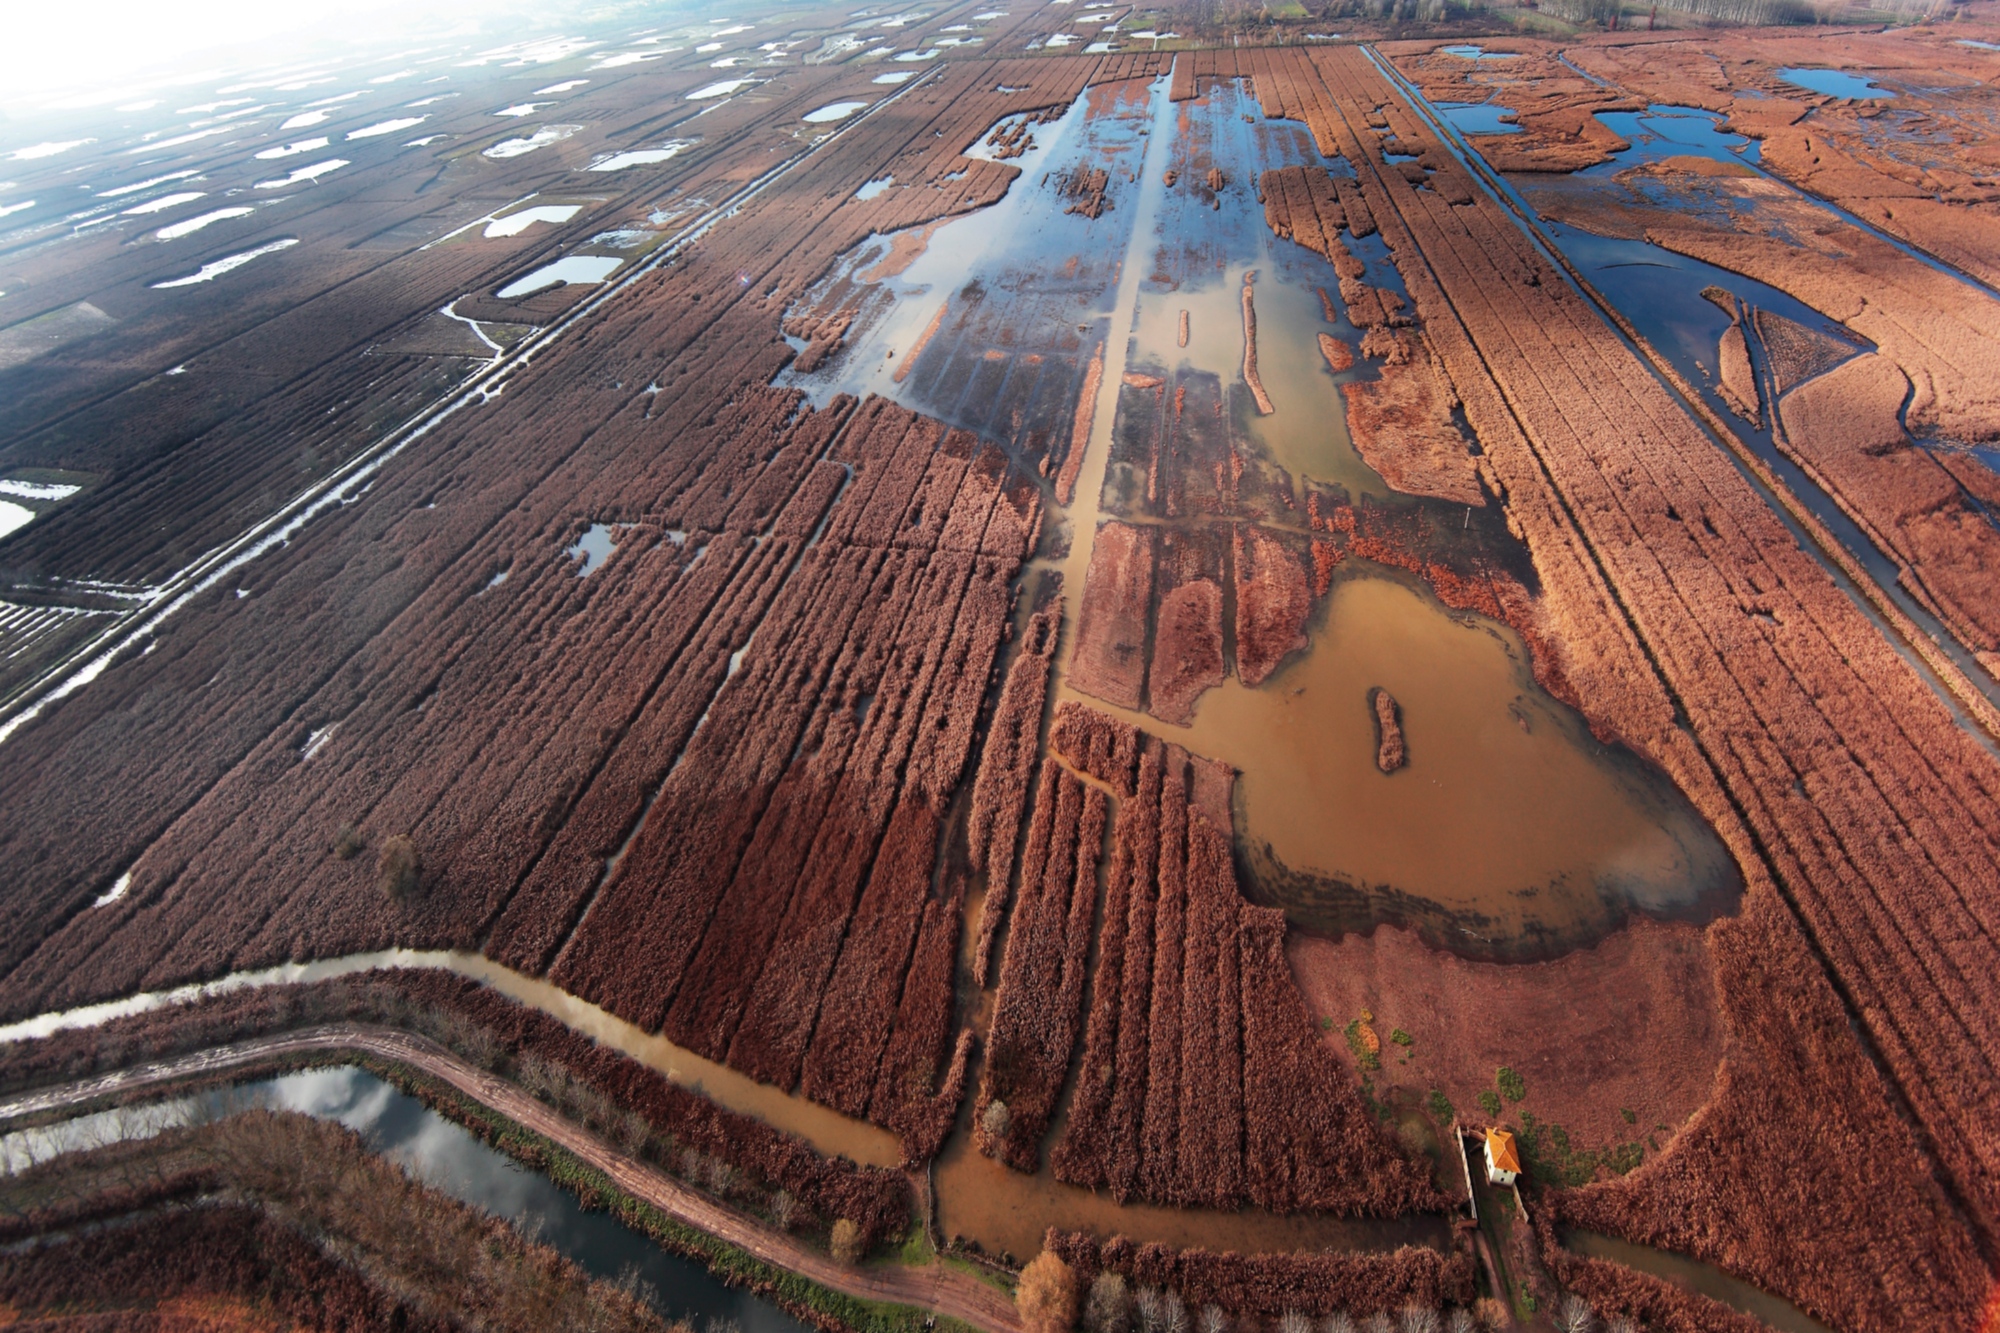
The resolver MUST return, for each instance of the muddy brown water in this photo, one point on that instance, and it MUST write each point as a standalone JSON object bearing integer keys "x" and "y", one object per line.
{"x": 1508, "y": 815}
{"x": 1700, "y": 1278}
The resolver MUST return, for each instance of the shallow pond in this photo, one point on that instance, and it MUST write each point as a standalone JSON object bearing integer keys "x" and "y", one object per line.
{"x": 1509, "y": 821}
{"x": 570, "y": 268}
{"x": 1307, "y": 433}
{"x": 987, "y": 320}
{"x": 1836, "y": 83}
{"x": 1662, "y": 131}
{"x": 1479, "y": 117}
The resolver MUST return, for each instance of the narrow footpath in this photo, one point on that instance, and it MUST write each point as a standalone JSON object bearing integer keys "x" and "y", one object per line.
{"x": 945, "y": 1291}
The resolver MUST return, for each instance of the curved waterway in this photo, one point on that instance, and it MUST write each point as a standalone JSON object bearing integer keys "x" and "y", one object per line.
{"x": 450, "y": 1160}
{"x": 1698, "y": 1277}
{"x": 1003, "y": 1210}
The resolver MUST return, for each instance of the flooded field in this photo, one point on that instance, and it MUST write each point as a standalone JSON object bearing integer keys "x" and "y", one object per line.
{"x": 1511, "y": 832}
{"x": 1681, "y": 169}
{"x": 1509, "y": 828}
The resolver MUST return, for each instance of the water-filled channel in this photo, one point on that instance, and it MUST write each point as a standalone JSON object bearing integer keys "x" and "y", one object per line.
{"x": 450, "y": 1160}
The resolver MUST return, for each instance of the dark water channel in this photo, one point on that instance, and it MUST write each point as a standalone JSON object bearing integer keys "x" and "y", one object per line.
{"x": 449, "y": 1159}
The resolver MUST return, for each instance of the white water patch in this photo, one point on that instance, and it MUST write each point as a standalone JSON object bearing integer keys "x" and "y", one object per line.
{"x": 562, "y": 87}
{"x": 727, "y": 62}
{"x": 592, "y": 549}
{"x": 541, "y": 138}
{"x": 899, "y": 76}
{"x": 516, "y": 223}
{"x": 833, "y": 111}
{"x": 38, "y": 490}
{"x": 178, "y": 140}
{"x": 907, "y": 56}
{"x": 451, "y": 312}
{"x": 227, "y": 115}
{"x": 50, "y": 149}
{"x": 5, "y": 209}
{"x": 1099, "y": 49}
{"x": 25, "y": 1148}
{"x": 706, "y": 47}
{"x": 424, "y": 142}
{"x": 429, "y": 101}
{"x": 190, "y": 226}
{"x": 874, "y": 187}
{"x": 338, "y": 98}
{"x": 96, "y": 1015}
{"x": 386, "y": 127}
{"x": 624, "y": 58}
{"x": 166, "y": 201}
{"x": 541, "y": 51}
{"x": 305, "y": 119}
{"x": 211, "y": 271}
{"x": 722, "y": 89}
{"x": 301, "y": 174}
{"x": 625, "y": 238}
{"x": 206, "y": 107}
{"x": 640, "y": 157}
{"x": 522, "y": 108}
{"x": 316, "y": 740}
{"x": 287, "y": 150}
{"x": 570, "y": 269}
{"x": 14, "y": 517}
{"x": 115, "y": 892}
{"x": 145, "y": 185}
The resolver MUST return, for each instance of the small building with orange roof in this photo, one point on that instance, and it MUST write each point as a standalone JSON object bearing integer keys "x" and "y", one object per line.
{"x": 1503, "y": 1159}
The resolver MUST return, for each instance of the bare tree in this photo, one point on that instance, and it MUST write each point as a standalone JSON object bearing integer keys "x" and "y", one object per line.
{"x": 1292, "y": 1321}
{"x": 1338, "y": 1322}
{"x": 1152, "y": 1311}
{"x": 1460, "y": 1320}
{"x": 1108, "y": 1308}
{"x": 845, "y": 1242}
{"x": 1574, "y": 1315}
{"x": 1176, "y": 1314}
{"x": 1421, "y": 1319}
{"x": 1212, "y": 1320}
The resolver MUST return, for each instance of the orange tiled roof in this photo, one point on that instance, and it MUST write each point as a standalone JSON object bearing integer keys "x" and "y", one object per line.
{"x": 1500, "y": 1149}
